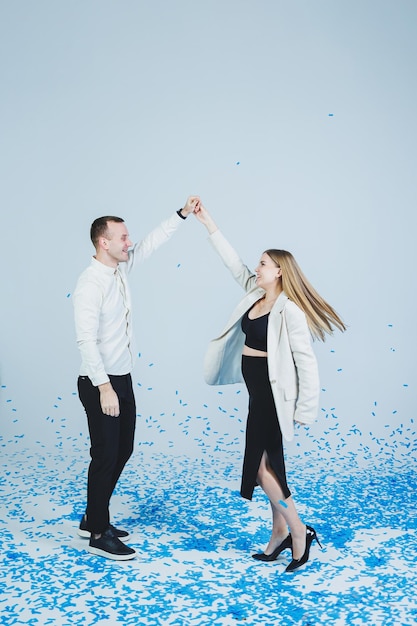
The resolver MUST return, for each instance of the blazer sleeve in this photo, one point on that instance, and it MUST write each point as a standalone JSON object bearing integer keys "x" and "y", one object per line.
{"x": 240, "y": 272}
{"x": 305, "y": 362}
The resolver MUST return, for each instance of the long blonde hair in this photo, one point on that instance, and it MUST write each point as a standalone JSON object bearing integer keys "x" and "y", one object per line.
{"x": 321, "y": 317}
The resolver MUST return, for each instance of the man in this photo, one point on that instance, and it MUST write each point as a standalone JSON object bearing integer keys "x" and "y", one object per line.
{"x": 103, "y": 321}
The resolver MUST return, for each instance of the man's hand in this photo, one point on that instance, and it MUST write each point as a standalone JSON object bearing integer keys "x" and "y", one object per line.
{"x": 191, "y": 205}
{"x": 108, "y": 400}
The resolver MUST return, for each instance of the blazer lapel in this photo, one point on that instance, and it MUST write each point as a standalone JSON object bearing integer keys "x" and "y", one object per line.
{"x": 281, "y": 301}
{"x": 274, "y": 329}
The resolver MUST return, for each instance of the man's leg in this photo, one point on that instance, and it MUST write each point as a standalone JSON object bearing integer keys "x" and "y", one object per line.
{"x": 104, "y": 451}
{"x": 127, "y": 422}
{"x": 104, "y": 438}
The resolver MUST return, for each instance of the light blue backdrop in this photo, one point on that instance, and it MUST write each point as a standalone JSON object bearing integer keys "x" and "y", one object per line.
{"x": 294, "y": 121}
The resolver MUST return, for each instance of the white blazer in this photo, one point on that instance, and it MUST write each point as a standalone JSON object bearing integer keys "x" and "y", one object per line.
{"x": 292, "y": 365}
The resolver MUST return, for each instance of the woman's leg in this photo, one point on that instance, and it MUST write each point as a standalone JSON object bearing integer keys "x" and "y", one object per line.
{"x": 284, "y": 513}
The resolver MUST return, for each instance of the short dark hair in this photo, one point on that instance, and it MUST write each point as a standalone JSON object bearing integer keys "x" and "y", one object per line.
{"x": 99, "y": 227}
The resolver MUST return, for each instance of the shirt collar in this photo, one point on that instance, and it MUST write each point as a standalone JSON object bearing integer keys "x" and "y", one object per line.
{"x": 103, "y": 269}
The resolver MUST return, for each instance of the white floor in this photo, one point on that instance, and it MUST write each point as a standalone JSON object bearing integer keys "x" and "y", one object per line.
{"x": 194, "y": 536}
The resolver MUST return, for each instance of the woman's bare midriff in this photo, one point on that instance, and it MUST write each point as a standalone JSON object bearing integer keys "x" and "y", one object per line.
{"x": 252, "y": 352}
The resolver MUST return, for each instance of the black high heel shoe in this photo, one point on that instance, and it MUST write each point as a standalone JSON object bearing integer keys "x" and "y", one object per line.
{"x": 310, "y": 536}
{"x": 287, "y": 543}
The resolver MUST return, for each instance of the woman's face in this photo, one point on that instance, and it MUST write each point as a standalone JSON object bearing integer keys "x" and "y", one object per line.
{"x": 267, "y": 272}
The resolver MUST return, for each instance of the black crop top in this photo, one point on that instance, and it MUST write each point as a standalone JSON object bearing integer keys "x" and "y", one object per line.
{"x": 255, "y": 331}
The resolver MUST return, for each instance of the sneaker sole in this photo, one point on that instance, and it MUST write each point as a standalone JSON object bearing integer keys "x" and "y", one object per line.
{"x": 85, "y": 534}
{"x": 110, "y": 555}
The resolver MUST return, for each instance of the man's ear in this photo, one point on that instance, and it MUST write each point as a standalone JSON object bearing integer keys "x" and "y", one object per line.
{"x": 103, "y": 243}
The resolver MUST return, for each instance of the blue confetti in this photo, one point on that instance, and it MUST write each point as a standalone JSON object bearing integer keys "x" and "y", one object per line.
{"x": 194, "y": 533}
{"x": 185, "y": 573}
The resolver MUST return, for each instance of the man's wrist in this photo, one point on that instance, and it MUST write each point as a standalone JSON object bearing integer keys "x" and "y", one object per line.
{"x": 105, "y": 386}
{"x": 179, "y": 213}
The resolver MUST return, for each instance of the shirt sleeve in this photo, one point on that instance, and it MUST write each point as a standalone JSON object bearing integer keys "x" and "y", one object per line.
{"x": 87, "y": 305}
{"x": 159, "y": 235}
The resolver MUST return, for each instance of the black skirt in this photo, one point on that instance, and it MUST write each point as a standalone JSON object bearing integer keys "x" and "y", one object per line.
{"x": 263, "y": 432}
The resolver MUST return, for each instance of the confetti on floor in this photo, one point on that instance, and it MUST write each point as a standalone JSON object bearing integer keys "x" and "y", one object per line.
{"x": 195, "y": 536}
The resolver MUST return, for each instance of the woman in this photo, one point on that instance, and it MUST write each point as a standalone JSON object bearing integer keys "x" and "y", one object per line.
{"x": 267, "y": 341}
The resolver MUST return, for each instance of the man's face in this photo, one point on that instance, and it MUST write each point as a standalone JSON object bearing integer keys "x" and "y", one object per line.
{"x": 117, "y": 242}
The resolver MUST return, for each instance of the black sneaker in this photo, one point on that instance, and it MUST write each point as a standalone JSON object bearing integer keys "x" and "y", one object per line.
{"x": 110, "y": 547}
{"x": 84, "y": 532}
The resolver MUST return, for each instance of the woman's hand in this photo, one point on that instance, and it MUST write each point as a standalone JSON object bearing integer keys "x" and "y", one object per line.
{"x": 205, "y": 218}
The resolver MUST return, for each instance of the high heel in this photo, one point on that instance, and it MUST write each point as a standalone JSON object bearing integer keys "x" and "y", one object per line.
{"x": 261, "y": 556}
{"x": 310, "y": 536}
